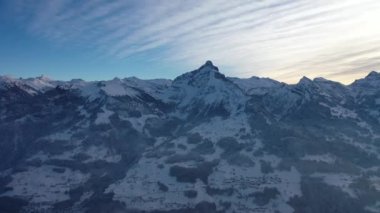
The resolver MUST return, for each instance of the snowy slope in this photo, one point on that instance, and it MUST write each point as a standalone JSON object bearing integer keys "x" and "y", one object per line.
{"x": 255, "y": 85}
{"x": 31, "y": 85}
{"x": 203, "y": 142}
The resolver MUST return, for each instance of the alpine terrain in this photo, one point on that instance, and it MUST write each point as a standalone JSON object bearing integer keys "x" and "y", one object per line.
{"x": 202, "y": 142}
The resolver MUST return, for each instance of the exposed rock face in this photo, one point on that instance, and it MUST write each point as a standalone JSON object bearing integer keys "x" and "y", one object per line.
{"x": 200, "y": 143}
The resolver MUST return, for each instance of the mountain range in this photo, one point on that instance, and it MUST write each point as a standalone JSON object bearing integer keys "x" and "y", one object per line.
{"x": 202, "y": 142}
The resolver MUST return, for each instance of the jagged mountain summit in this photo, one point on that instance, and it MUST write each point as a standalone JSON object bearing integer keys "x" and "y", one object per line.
{"x": 202, "y": 142}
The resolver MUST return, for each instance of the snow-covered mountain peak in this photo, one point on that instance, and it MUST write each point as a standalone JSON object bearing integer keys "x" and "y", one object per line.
{"x": 40, "y": 83}
{"x": 43, "y": 78}
{"x": 325, "y": 83}
{"x": 6, "y": 79}
{"x": 117, "y": 87}
{"x": 206, "y": 75}
{"x": 207, "y": 88}
{"x": 209, "y": 66}
{"x": 320, "y": 79}
{"x": 373, "y": 75}
{"x": 373, "y": 79}
{"x": 256, "y": 85}
{"x": 369, "y": 84}
{"x": 305, "y": 81}
{"x": 306, "y": 85}
{"x": 321, "y": 87}
{"x": 213, "y": 143}
{"x": 31, "y": 86}
{"x": 153, "y": 87}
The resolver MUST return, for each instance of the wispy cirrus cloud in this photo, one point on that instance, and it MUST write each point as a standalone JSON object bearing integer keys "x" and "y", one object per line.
{"x": 275, "y": 38}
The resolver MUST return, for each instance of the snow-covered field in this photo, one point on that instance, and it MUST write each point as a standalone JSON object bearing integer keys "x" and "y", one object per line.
{"x": 44, "y": 184}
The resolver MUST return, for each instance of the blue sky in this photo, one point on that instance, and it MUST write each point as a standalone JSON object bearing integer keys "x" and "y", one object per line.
{"x": 99, "y": 39}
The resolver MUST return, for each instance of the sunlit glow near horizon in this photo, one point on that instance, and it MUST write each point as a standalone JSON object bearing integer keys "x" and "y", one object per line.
{"x": 284, "y": 40}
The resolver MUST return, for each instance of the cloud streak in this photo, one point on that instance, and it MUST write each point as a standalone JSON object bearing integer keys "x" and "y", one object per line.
{"x": 273, "y": 38}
